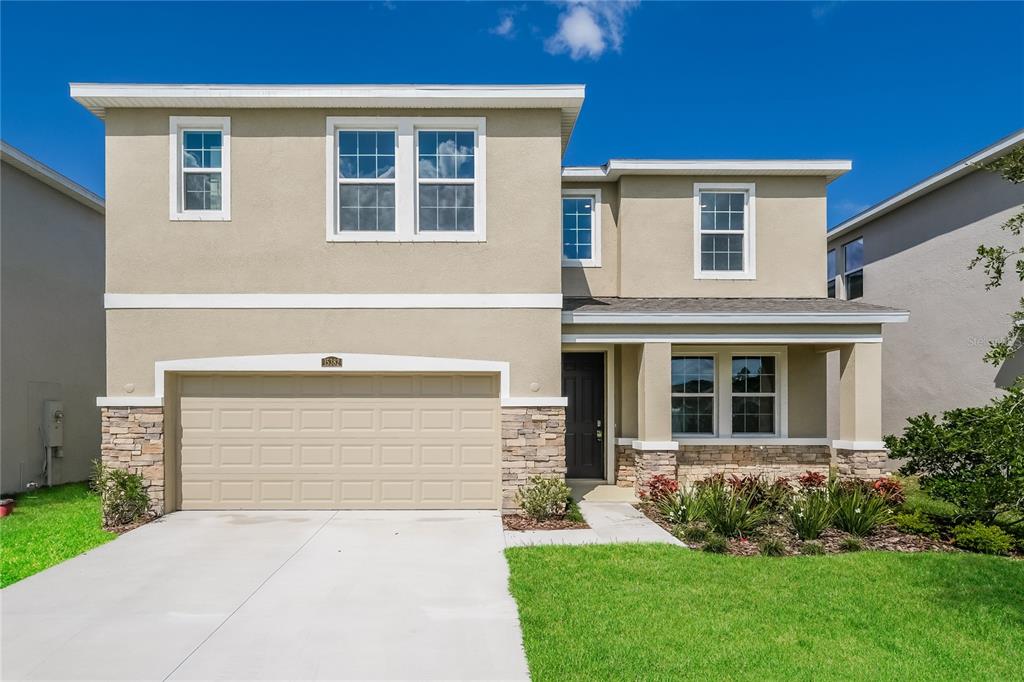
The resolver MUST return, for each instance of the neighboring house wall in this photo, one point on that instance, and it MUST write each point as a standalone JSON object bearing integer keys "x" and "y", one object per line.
{"x": 916, "y": 259}
{"x": 52, "y": 327}
{"x": 648, "y": 239}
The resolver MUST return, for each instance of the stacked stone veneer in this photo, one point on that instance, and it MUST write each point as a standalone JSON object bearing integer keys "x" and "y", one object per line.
{"x": 133, "y": 439}
{"x": 860, "y": 463}
{"x": 532, "y": 444}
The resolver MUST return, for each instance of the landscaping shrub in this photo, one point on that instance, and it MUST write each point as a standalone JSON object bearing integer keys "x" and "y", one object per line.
{"x": 811, "y": 514}
{"x": 857, "y": 509}
{"x": 771, "y": 547}
{"x": 978, "y": 537}
{"x": 693, "y": 533}
{"x": 715, "y": 544}
{"x": 812, "y": 548}
{"x": 916, "y": 523}
{"x": 851, "y": 545}
{"x": 681, "y": 507}
{"x": 761, "y": 491}
{"x": 122, "y": 493}
{"x": 544, "y": 497}
{"x": 658, "y": 487}
{"x": 730, "y": 512}
{"x": 973, "y": 457}
{"x": 891, "y": 490}
{"x": 811, "y": 480}
{"x": 572, "y": 511}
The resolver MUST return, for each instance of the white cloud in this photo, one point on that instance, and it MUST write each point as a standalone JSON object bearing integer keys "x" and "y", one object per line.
{"x": 506, "y": 28}
{"x": 587, "y": 28}
{"x": 821, "y": 11}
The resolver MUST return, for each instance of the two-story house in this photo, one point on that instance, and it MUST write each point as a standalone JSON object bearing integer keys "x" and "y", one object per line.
{"x": 397, "y": 297}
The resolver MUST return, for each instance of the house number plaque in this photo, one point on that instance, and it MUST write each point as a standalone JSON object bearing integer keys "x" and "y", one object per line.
{"x": 330, "y": 361}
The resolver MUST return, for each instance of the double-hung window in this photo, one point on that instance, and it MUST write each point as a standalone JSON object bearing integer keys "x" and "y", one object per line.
{"x": 753, "y": 394}
{"x": 200, "y": 168}
{"x": 581, "y": 228}
{"x": 724, "y": 231}
{"x": 445, "y": 180}
{"x": 693, "y": 395}
{"x": 853, "y": 262}
{"x": 830, "y": 276}
{"x": 366, "y": 180}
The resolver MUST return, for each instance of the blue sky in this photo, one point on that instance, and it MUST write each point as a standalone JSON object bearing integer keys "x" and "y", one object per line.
{"x": 901, "y": 89}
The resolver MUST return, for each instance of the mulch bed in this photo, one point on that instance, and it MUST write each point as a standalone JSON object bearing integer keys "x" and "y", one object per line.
{"x": 520, "y": 522}
{"x": 886, "y": 538}
{"x": 121, "y": 530}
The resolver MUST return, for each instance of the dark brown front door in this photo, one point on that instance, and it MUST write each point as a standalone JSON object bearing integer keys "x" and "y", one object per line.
{"x": 583, "y": 385}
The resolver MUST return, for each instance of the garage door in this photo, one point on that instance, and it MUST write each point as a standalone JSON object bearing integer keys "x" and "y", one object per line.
{"x": 416, "y": 441}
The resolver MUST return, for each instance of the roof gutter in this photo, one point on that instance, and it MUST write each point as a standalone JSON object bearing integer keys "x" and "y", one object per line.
{"x": 896, "y": 316}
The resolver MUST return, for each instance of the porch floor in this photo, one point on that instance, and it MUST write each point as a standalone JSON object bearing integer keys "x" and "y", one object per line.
{"x": 599, "y": 490}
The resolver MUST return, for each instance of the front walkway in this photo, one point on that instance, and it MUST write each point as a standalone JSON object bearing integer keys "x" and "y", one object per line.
{"x": 274, "y": 595}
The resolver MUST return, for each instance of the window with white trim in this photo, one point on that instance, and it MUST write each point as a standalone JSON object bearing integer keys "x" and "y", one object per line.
{"x": 723, "y": 231}
{"x": 830, "y": 276}
{"x": 581, "y": 228}
{"x": 853, "y": 268}
{"x": 753, "y": 394}
{"x": 406, "y": 179}
{"x": 693, "y": 395}
{"x": 200, "y": 168}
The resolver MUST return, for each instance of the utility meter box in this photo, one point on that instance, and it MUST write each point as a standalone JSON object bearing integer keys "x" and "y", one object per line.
{"x": 53, "y": 423}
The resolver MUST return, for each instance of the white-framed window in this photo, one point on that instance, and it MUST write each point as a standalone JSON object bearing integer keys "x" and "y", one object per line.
{"x": 724, "y": 229}
{"x": 693, "y": 395}
{"x": 581, "y": 228}
{"x": 741, "y": 390}
{"x": 830, "y": 275}
{"x": 853, "y": 268}
{"x": 406, "y": 179}
{"x": 200, "y": 168}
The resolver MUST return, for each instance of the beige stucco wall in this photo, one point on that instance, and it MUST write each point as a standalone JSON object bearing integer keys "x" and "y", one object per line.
{"x": 276, "y": 241}
{"x": 139, "y": 338}
{"x": 649, "y": 239}
{"x": 51, "y": 327}
{"x": 807, "y": 390}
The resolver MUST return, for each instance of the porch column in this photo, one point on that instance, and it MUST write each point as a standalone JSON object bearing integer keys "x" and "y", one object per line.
{"x": 654, "y": 450}
{"x": 859, "y": 450}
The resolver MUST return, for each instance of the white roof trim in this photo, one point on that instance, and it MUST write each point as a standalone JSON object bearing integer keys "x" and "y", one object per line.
{"x": 830, "y": 168}
{"x": 98, "y": 97}
{"x": 570, "y": 317}
{"x": 51, "y": 178}
{"x": 930, "y": 184}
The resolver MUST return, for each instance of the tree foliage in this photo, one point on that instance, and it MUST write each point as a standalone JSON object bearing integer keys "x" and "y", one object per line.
{"x": 994, "y": 259}
{"x": 973, "y": 457}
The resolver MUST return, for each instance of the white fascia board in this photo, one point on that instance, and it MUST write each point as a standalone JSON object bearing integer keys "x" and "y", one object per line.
{"x": 570, "y": 317}
{"x": 330, "y": 301}
{"x": 717, "y": 339}
{"x": 928, "y": 185}
{"x": 51, "y": 178}
{"x": 830, "y": 168}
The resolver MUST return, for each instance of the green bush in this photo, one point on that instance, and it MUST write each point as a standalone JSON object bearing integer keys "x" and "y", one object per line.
{"x": 543, "y": 498}
{"x": 682, "y": 507}
{"x": 772, "y": 547}
{"x": 693, "y": 533}
{"x": 972, "y": 458}
{"x": 978, "y": 537}
{"x": 715, "y": 544}
{"x": 812, "y": 548}
{"x": 851, "y": 545}
{"x": 731, "y": 513}
{"x": 811, "y": 514}
{"x": 916, "y": 523}
{"x": 573, "y": 513}
{"x": 857, "y": 510}
{"x": 122, "y": 493}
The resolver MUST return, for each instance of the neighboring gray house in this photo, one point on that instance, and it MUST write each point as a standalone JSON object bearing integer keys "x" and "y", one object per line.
{"x": 52, "y": 327}
{"x": 911, "y": 252}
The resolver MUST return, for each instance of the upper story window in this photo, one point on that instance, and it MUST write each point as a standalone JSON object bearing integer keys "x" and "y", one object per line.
{"x": 830, "y": 276}
{"x": 200, "y": 168}
{"x": 366, "y": 180}
{"x": 724, "y": 231}
{"x": 853, "y": 259}
{"x": 406, "y": 179}
{"x": 581, "y": 228}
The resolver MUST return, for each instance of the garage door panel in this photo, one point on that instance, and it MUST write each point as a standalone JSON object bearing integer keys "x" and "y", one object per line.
{"x": 340, "y": 441}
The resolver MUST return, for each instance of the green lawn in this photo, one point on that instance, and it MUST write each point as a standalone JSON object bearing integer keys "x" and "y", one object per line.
{"x": 47, "y": 527}
{"x": 630, "y": 612}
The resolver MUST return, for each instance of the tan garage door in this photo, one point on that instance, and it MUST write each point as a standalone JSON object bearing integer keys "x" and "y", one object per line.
{"x": 415, "y": 441}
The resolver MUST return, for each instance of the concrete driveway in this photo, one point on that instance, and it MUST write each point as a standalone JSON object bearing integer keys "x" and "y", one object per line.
{"x": 274, "y": 595}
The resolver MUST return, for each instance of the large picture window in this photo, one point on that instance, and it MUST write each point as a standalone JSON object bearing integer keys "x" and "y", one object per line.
{"x": 200, "y": 174}
{"x": 724, "y": 231}
{"x": 693, "y": 395}
{"x": 753, "y": 394}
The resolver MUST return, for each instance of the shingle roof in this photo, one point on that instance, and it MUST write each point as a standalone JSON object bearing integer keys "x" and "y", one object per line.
{"x": 790, "y": 310}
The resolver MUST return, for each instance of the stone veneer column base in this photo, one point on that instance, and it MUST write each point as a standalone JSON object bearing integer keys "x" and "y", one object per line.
{"x": 697, "y": 462}
{"x": 532, "y": 444}
{"x": 133, "y": 439}
{"x": 625, "y": 466}
{"x": 865, "y": 464}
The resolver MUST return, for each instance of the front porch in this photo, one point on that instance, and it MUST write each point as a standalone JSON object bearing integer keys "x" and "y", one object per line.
{"x": 674, "y": 395}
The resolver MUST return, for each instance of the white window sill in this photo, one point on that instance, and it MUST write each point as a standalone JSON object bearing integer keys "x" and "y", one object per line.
{"x": 592, "y": 263}
{"x": 725, "y": 275}
{"x": 201, "y": 217}
{"x": 395, "y": 237}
